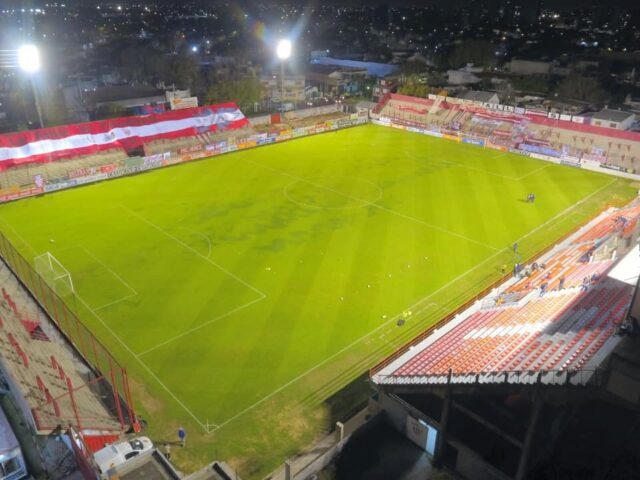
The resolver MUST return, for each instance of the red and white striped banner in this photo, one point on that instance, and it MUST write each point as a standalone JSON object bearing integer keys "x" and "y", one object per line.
{"x": 51, "y": 144}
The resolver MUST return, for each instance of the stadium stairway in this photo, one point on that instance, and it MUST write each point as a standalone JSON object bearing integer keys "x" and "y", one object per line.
{"x": 35, "y": 355}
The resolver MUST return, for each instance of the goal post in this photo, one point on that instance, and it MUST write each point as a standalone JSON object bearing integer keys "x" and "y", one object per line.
{"x": 54, "y": 273}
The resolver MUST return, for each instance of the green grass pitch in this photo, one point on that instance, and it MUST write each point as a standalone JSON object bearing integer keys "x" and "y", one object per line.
{"x": 243, "y": 291}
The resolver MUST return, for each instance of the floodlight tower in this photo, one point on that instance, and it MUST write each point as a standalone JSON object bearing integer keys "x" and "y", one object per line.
{"x": 284, "y": 52}
{"x": 29, "y": 62}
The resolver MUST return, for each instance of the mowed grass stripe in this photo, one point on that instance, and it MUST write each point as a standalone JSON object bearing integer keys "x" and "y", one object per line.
{"x": 332, "y": 276}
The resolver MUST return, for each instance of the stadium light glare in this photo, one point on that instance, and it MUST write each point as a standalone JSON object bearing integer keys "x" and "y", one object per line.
{"x": 194, "y": 49}
{"x": 29, "y": 58}
{"x": 284, "y": 49}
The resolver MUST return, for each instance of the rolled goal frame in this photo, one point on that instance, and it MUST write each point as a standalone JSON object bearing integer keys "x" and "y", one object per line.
{"x": 54, "y": 273}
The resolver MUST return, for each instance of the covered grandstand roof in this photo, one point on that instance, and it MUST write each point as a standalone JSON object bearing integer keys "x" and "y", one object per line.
{"x": 373, "y": 68}
{"x": 552, "y": 324}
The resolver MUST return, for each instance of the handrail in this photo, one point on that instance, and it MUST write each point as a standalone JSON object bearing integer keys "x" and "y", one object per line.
{"x": 566, "y": 376}
{"x": 411, "y": 343}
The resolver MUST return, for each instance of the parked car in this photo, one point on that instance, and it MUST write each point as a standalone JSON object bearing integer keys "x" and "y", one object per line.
{"x": 118, "y": 453}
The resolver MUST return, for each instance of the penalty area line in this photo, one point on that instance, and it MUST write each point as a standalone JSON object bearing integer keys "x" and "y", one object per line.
{"x": 115, "y": 302}
{"x": 202, "y": 325}
{"x": 414, "y": 306}
{"x": 190, "y": 248}
{"x": 144, "y": 365}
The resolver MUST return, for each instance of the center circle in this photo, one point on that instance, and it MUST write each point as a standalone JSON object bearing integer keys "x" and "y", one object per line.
{"x": 332, "y": 192}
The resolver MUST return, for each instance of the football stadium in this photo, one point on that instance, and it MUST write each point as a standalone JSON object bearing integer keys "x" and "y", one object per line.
{"x": 243, "y": 280}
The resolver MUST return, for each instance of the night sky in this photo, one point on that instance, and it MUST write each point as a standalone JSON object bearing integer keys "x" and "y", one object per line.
{"x": 549, "y": 3}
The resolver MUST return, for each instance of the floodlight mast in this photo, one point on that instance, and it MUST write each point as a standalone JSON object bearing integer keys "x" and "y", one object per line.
{"x": 283, "y": 51}
{"x": 29, "y": 62}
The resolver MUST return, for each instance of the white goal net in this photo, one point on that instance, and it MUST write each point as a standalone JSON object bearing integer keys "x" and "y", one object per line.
{"x": 54, "y": 273}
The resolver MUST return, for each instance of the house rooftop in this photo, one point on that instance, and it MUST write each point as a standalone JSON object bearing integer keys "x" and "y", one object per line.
{"x": 612, "y": 115}
{"x": 479, "y": 96}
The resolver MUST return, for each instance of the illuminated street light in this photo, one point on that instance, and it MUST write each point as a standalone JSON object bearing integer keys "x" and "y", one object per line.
{"x": 29, "y": 58}
{"x": 29, "y": 62}
{"x": 283, "y": 51}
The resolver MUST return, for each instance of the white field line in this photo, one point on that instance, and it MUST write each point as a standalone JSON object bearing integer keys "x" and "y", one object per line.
{"x": 375, "y": 205}
{"x": 122, "y": 299}
{"x": 144, "y": 365}
{"x": 198, "y": 327}
{"x": 304, "y": 374}
{"x": 133, "y": 290}
{"x": 70, "y": 220}
{"x": 522, "y": 177}
{"x": 507, "y": 177}
{"x": 205, "y": 237}
{"x": 394, "y": 319}
{"x": 20, "y": 237}
{"x": 355, "y": 342}
{"x": 126, "y": 347}
{"x": 565, "y": 211}
{"x": 188, "y": 247}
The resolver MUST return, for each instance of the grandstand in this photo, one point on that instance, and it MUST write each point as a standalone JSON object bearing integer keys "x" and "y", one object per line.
{"x": 545, "y": 324}
{"x": 517, "y": 129}
{"x": 46, "y": 160}
{"x": 549, "y": 325}
{"x": 52, "y": 383}
{"x": 552, "y": 324}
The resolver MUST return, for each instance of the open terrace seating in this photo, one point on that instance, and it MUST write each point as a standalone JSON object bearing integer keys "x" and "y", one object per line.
{"x": 547, "y": 331}
{"x": 51, "y": 379}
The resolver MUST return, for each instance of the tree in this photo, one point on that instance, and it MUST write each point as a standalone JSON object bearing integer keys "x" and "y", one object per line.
{"x": 414, "y": 87}
{"x": 110, "y": 110}
{"x": 182, "y": 69}
{"x": 244, "y": 92}
{"x": 577, "y": 87}
{"x": 505, "y": 92}
{"x": 413, "y": 67}
{"x": 479, "y": 52}
{"x": 54, "y": 109}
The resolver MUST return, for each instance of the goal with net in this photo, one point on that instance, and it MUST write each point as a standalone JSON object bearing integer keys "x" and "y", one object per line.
{"x": 54, "y": 273}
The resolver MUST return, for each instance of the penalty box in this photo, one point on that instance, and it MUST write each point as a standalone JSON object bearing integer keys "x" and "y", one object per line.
{"x": 86, "y": 272}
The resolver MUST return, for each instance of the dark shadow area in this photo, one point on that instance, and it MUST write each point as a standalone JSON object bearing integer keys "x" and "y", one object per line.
{"x": 601, "y": 441}
{"x": 378, "y": 452}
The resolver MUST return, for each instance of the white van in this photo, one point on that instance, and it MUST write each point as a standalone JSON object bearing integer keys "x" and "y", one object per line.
{"x": 118, "y": 453}
{"x": 12, "y": 466}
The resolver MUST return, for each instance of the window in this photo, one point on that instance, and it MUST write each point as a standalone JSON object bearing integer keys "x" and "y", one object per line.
{"x": 130, "y": 455}
{"x": 136, "y": 444}
{"x": 10, "y": 466}
{"x": 614, "y": 125}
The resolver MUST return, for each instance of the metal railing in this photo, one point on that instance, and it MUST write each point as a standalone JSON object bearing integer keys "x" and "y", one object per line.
{"x": 96, "y": 355}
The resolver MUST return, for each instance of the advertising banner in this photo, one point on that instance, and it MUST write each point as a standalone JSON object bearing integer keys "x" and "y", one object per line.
{"x": 539, "y": 149}
{"x": 109, "y": 167}
{"x": 473, "y": 141}
{"x": 190, "y": 149}
{"x": 192, "y": 156}
{"x": 495, "y": 146}
{"x": 21, "y": 194}
{"x": 139, "y": 164}
{"x": 132, "y": 162}
{"x": 571, "y": 161}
